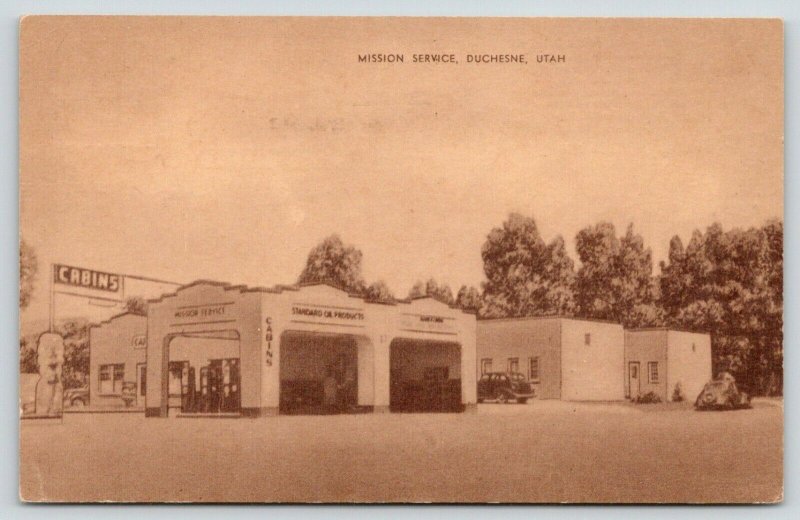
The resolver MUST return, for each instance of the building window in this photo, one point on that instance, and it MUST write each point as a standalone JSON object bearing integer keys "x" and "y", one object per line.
{"x": 587, "y": 339}
{"x": 110, "y": 379}
{"x": 513, "y": 364}
{"x": 486, "y": 365}
{"x": 652, "y": 372}
{"x": 694, "y": 347}
{"x": 534, "y": 370}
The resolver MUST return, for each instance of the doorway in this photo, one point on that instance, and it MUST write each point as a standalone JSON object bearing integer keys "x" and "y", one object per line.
{"x": 424, "y": 376}
{"x": 634, "y": 380}
{"x": 319, "y": 373}
{"x": 141, "y": 383}
{"x": 204, "y": 373}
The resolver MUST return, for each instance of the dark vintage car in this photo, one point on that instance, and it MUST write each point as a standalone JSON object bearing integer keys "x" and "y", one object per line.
{"x": 504, "y": 387}
{"x": 722, "y": 394}
{"x": 76, "y": 397}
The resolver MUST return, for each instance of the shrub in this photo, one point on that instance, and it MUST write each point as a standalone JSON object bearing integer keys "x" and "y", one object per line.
{"x": 677, "y": 394}
{"x": 648, "y": 398}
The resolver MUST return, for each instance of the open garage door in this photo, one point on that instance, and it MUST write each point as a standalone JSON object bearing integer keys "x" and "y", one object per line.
{"x": 425, "y": 376}
{"x": 319, "y": 373}
{"x": 204, "y": 373}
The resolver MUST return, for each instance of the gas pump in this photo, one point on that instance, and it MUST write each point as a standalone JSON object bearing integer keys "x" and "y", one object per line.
{"x": 185, "y": 387}
{"x": 203, "y": 401}
{"x": 214, "y": 385}
{"x": 230, "y": 385}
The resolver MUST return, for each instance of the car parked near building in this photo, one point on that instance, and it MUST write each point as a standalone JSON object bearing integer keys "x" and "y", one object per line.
{"x": 76, "y": 397}
{"x": 722, "y": 394}
{"x": 504, "y": 387}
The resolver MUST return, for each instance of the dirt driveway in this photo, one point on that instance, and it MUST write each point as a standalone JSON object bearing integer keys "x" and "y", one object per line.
{"x": 541, "y": 452}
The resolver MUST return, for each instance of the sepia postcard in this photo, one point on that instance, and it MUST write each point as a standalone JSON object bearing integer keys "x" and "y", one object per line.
{"x": 380, "y": 260}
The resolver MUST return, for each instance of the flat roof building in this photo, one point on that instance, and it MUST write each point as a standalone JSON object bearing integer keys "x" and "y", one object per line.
{"x": 564, "y": 358}
{"x": 223, "y": 349}
{"x": 117, "y": 359}
{"x": 661, "y": 360}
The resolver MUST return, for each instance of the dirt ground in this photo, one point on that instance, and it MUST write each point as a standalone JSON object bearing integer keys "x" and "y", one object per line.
{"x": 540, "y": 452}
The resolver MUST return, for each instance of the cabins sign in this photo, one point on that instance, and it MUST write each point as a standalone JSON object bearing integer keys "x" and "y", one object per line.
{"x": 87, "y": 278}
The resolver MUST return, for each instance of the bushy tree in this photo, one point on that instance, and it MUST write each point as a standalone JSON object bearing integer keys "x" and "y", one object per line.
{"x": 334, "y": 262}
{"x": 730, "y": 283}
{"x": 28, "y": 362}
{"x": 469, "y": 299}
{"x": 136, "y": 305}
{"x": 524, "y": 275}
{"x": 434, "y": 289}
{"x": 28, "y": 266}
{"x": 76, "y": 351}
{"x": 379, "y": 292}
{"x": 615, "y": 280}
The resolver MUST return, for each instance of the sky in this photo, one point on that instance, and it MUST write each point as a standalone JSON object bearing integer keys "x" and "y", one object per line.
{"x": 226, "y": 148}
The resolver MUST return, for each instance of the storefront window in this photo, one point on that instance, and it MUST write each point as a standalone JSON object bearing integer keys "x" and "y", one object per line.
{"x": 513, "y": 365}
{"x": 652, "y": 368}
{"x": 111, "y": 378}
{"x": 534, "y": 369}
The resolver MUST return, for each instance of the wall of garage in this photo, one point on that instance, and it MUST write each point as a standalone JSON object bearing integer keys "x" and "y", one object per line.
{"x": 592, "y": 370}
{"x": 116, "y": 341}
{"x": 524, "y": 338}
{"x": 688, "y": 362}
{"x": 646, "y": 346}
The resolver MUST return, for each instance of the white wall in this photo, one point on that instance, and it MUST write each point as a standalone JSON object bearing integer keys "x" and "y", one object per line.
{"x": 691, "y": 367}
{"x": 593, "y": 372}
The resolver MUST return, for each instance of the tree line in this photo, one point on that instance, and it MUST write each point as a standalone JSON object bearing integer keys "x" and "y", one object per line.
{"x": 727, "y": 283}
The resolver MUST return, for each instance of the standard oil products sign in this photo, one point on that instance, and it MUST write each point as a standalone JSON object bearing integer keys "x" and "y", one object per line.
{"x": 327, "y": 315}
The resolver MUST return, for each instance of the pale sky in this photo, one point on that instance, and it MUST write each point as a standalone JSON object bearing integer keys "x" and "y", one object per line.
{"x": 227, "y": 148}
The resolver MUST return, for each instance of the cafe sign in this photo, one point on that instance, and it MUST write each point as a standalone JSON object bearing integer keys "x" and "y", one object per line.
{"x": 427, "y": 323}
{"x": 139, "y": 341}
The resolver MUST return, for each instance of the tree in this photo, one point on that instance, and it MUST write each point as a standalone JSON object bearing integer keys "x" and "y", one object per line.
{"x": 615, "y": 280}
{"x": 379, "y": 292}
{"x": 28, "y": 362}
{"x": 469, "y": 299}
{"x": 524, "y": 275}
{"x": 76, "y": 351}
{"x": 432, "y": 288}
{"x": 136, "y": 305}
{"x": 28, "y": 266}
{"x": 334, "y": 262}
{"x": 730, "y": 283}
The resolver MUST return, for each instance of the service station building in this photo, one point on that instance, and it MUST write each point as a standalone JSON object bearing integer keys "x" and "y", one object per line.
{"x": 214, "y": 348}
{"x": 667, "y": 362}
{"x": 563, "y": 358}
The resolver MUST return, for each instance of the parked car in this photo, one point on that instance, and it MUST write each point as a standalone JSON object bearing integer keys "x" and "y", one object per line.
{"x": 722, "y": 394}
{"x": 76, "y": 397}
{"x": 504, "y": 387}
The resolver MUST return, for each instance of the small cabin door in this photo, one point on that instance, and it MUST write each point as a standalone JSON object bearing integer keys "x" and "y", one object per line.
{"x": 141, "y": 383}
{"x": 634, "y": 380}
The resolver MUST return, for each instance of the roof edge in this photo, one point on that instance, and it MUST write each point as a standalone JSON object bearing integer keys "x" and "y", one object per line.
{"x": 549, "y": 317}
{"x": 279, "y": 288}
